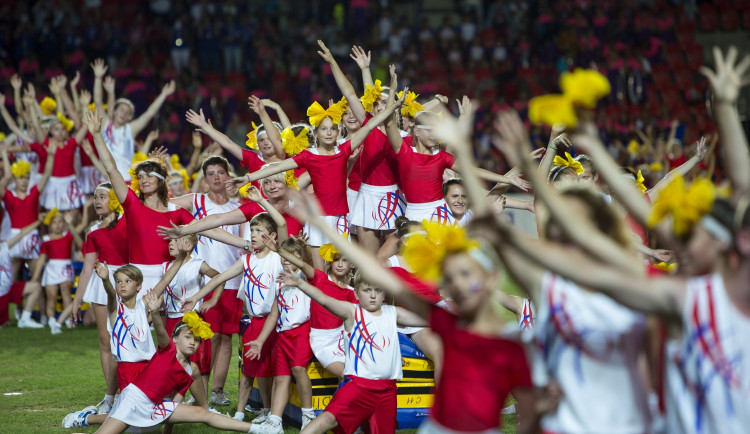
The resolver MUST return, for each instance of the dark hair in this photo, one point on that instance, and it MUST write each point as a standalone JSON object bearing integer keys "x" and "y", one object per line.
{"x": 453, "y": 181}
{"x": 629, "y": 171}
{"x": 404, "y": 226}
{"x": 113, "y": 223}
{"x": 215, "y": 160}
{"x": 162, "y": 190}
{"x": 264, "y": 219}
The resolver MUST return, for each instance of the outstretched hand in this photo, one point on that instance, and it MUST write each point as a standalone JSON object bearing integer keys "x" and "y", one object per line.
{"x": 169, "y": 88}
{"x": 92, "y": 121}
{"x": 270, "y": 243}
{"x": 360, "y": 57}
{"x": 254, "y": 194}
{"x": 197, "y": 119}
{"x": 255, "y": 104}
{"x": 169, "y": 233}
{"x": 728, "y": 79}
{"x": 153, "y": 302}
{"x": 99, "y": 67}
{"x": 324, "y": 52}
{"x": 101, "y": 269}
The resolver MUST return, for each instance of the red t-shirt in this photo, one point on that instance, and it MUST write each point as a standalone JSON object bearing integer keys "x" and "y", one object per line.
{"x": 426, "y": 291}
{"x": 145, "y": 246}
{"x": 328, "y": 176}
{"x": 421, "y": 175}
{"x": 64, "y": 157}
{"x": 320, "y": 318}
{"x": 22, "y": 212}
{"x": 355, "y": 176}
{"x": 110, "y": 245}
{"x": 253, "y": 163}
{"x": 293, "y": 226}
{"x": 373, "y": 160}
{"x": 163, "y": 375}
{"x": 478, "y": 374}
{"x": 60, "y": 248}
{"x": 85, "y": 160}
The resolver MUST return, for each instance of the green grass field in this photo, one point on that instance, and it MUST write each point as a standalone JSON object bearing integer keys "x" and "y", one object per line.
{"x": 44, "y": 377}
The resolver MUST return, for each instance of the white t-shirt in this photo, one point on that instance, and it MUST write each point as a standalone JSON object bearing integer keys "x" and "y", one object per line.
{"x": 590, "y": 345}
{"x": 258, "y": 286}
{"x": 185, "y": 284}
{"x": 294, "y": 307}
{"x": 372, "y": 347}
{"x": 130, "y": 337}
{"x": 217, "y": 255}
{"x": 6, "y": 269}
{"x": 708, "y": 369}
{"x": 121, "y": 144}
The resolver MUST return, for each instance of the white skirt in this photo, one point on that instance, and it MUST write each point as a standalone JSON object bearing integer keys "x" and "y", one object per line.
{"x": 27, "y": 247}
{"x": 135, "y": 409}
{"x": 351, "y": 197}
{"x": 336, "y": 222}
{"x": 408, "y": 331}
{"x": 95, "y": 292}
{"x": 377, "y": 207}
{"x": 58, "y": 271}
{"x": 152, "y": 274}
{"x": 62, "y": 193}
{"x": 89, "y": 178}
{"x": 328, "y": 345}
{"x": 423, "y": 211}
{"x": 430, "y": 426}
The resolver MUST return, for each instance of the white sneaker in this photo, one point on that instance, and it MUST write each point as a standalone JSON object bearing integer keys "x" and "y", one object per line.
{"x": 190, "y": 401}
{"x": 78, "y": 418}
{"x": 103, "y": 407}
{"x": 29, "y": 324}
{"x": 218, "y": 397}
{"x": 238, "y": 416}
{"x": 262, "y": 417}
{"x": 254, "y": 411}
{"x": 54, "y": 327}
{"x": 306, "y": 419}
{"x": 213, "y": 410}
{"x": 267, "y": 428}
{"x": 511, "y": 409}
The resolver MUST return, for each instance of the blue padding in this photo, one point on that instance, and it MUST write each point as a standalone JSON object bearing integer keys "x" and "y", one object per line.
{"x": 408, "y": 349}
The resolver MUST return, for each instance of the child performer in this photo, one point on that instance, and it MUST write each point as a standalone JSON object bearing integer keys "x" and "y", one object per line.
{"x": 31, "y": 289}
{"x": 155, "y": 395}
{"x": 290, "y": 317}
{"x": 56, "y": 262}
{"x": 257, "y": 290}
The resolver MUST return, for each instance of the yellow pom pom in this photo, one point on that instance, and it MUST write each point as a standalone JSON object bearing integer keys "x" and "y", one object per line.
{"x": 667, "y": 268}
{"x": 134, "y": 181}
{"x": 291, "y": 180}
{"x": 655, "y": 167}
{"x": 138, "y": 157}
{"x": 20, "y": 168}
{"x": 2, "y": 136}
{"x": 552, "y": 110}
{"x": 252, "y": 137}
{"x": 411, "y": 107}
{"x": 66, "y": 123}
{"x": 425, "y": 253}
{"x": 686, "y": 205}
{"x": 114, "y": 203}
{"x": 371, "y": 95}
{"x": 48, "y": 106}
{"x": 51, "y": 215}
{"x": 584, "y": 87}
{"x": 174, "y": 161}
{"x": 292, "y": 144}
{"x": 328, "y": 252}
{"x": 639, "y": 182}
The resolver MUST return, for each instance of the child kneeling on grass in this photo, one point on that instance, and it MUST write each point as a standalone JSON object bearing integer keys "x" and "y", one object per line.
{"x": 146, "y": 402}
{"x": 290, "y": 316}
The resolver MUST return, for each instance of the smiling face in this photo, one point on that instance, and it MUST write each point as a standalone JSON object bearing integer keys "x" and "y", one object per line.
{"x": 149, "y": 184}
{"x": 370, "y": 297}
{"x": 57, "y": 225}
{"x": 467, "y": 283}
{"x": 122, "y": 114}
{"x": 457, "y": 200}
{"x": 327, "y": 133}
{"x": 273, "y": 187}
{"x": 265, "y": 146}
{"x": 350, "y": 121}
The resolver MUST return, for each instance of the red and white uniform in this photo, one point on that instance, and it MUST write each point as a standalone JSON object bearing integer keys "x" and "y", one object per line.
{"x": 6, "y": 270}
{"x": 59, "y": 267}
{"x": 373, "y": 364}
{"x": 145, "y": 402}
{"x": 327, "y": 330}
{"x": 293, "y": 226}
{"x": 130, "y": 336}
{"x": 121, "y": 145}
{"x": 292, "y": 346}
{"x": 427, "y": 291}
{"x": 421, "y": 178}
{"x": 590, "y": 345}
{"x": 89, "y": 176}
{"x": 328, "y": 176}
{"x": 444, "y": 215}
{"x": 493, "y": 366}
{"x": 708, "y": 369}
{"x": 23, "y": 212}
{"x": 62, "y": 190}
{"x": 379, "y": 202}
{"x": 186, "y": 283}
{"x": 527, "y": 315}
{"x": 257, "y": 291}
{"x": 218, "y": 256}
{"x": 111, "y": 248}
{"x": 147, "y": 249}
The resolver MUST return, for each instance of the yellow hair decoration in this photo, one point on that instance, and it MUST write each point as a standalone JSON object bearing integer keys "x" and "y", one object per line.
{"x": 134, "y": 181}
{"x": 174, "y": 161}
{"x": 317, "y": 114}
{"x": 328, "y": 251}
{"x": 634, "y": 148}
{"x": 372, "y": 94}
{"x": 114, "y": 203}
{"x": 686, "y": 205}
{"x": 411, "y": 106}
{"x": 343, "y": 104}
{"x": 20, "y": 168}
{"x": 639, "y": 182}
{"x": 252, "y": 137}
{"x": 243, "y": 190}
{"x": 291, "y": 180}
{"x": 138, "y": 157}
{"x": 198, "y": 327}
{"x": 655, "y": 167}
{"x": 48, "y": 106}
{"x": 425, "y": 253}
{"x": 570, "y": 162}
{"x": 185, "y": 179}
{"x": 667, "y": 268}
{"x": 292, "y": 144}
{"x": 581, "y": 88}
{"x": 51, "y": 215}
{"x": 2, "y": 136}
{"x": 66, "y": 123}
{"x": 92, "y": 107}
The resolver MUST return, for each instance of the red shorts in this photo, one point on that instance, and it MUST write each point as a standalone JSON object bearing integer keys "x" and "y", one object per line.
{"x": 127, "y": 371}
{"x": 202, "y": 356}
{"x": 4, "y": 314}
{"x": 16, "y": 292}
{"x": 361, "y": 400}
{"x": 225, "y": 316}
{"x": 261, "y": 367}
{"x": 292, "y": 349}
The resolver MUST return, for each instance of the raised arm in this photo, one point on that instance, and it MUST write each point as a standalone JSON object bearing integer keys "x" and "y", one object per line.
{"x": 7, "y": 175}
{"x": 233, "y": 217}
{"x": 216, "y": 283}
{"x": 281, "y": 232}
{"x": 68, "y": 218}
{"x": 391, "y": 128}
{"x": 341, "y": 309}
{"x": 297, "y": 262}
{"x": 151, "y": 137}
{"x": 51, "y": 151}
{"x": 94, "y": 124}
{"x": 153, "y": 303}
{"x": 361, "y": 134}
{"x": 205, "y": 127}
{"x": 271, "y": 169}
{"x": 274, "y": 135}
{"x": 109, "y": 87}
{"x": 283, "y": 118}
{"x": 343, "y": 83}
{"x": 10, "y": 122}
{"x": 363, "y": 61}
{"x": 557, "y": 138}
{"x": 165, "y": 280}
{"x": 17, "y": 84}
{"x": 140, "y": 123}
{"x": 726, "y": 83}
{"x": 102, "y": 271}
{"x": 86, "y": 147}
{"x": 195, "y": 161}
{"x": 683, "y": 169}
{"x": 99, "y": 69}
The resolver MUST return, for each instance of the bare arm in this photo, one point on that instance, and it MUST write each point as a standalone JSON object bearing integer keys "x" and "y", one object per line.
{"x": 194, "y": 163}
{"x": 682, "y": 170}
{"x": 217, "y": 283}
{"x": 363, "y": 61}
{"x": 109, "y": 87}
{"x": 199, "y": 120}
{"x": 158, "y": 290}
{"x": 86, "y": 147}
{"x": 153, "y": 303}
{"x": 83, "y": 281}
{"x": 140, "y": 123}
{"x": 288, "y": 164}
{"x": 184, "y": 201}
{"x": 94, "y": 124}
{"x": 341, "y": 309}
{"x": 297, "y": 262}
{"x": 274, "y": 135}
{"x": 10, "y": 122}
{"x": 25, "y": 231}
{"x": 102, "y": 272}
{"x": 361, "y": 134}
{"x": 233, "y": 217}
{"x": 408, "y": 318}
{"x": 343, "y": 83}
{"x": 282, "y": 233}
{"x": 283, "y": 118}
{"x": 99, "y": 69}
{"x": 556, "y": 139}
{"x": 68, "y": 218}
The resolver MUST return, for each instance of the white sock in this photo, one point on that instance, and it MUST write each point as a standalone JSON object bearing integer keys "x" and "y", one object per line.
{"x": 310, "y": 412}
{"x": 25, "y": 315}
{"x": 239, "y": 415}
{"x": 51, "y": 322}
{"x": 109, "y": 399}
{"x": 276, "y": 420}
{"x": 44, "y": 319}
